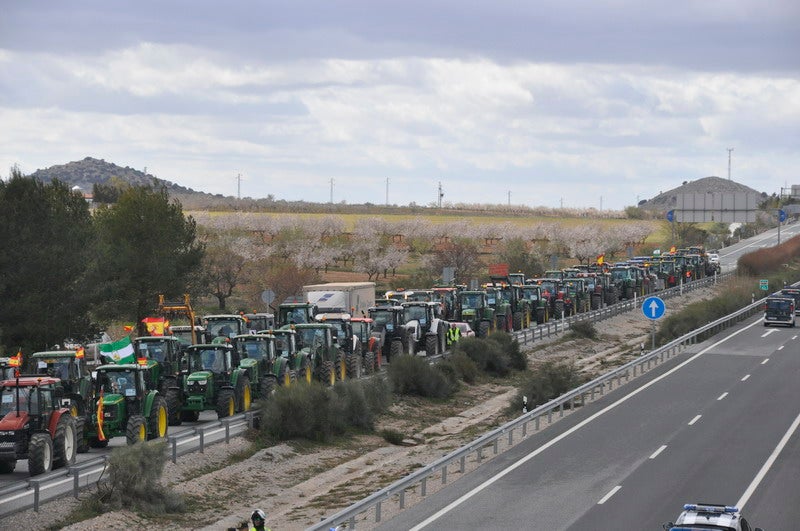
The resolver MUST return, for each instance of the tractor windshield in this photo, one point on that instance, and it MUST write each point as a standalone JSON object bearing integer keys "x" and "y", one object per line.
{"x": 257, "y": 350}
{"x": 415, "y": 313}
{"x": 311, "y": 338}
{"x": 55, "y": 367}
{"x": 382, "y": 319}
{"x": 621, "y": 274}
{"x": 8, "y": 400}
{"x": 223, "y": 327}
{"x": 532, "y": 294}
{"x": 283, "y": 345}
{"x": 471, "y": 301}
{"x": 152, "y": 350}
{"x": 361, "y": 330}
{"x": 121, "y": 382}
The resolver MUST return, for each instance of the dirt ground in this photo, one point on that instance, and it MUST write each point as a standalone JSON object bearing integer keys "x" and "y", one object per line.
{"x": 298, "y": 484}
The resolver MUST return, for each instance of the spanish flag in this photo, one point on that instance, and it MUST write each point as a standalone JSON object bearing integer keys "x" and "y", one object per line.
{"x": 100, "y": 434}
{"x": 15, "y": 361}
{"x": 155, "y": 325}
{"x": 80, "y": 353}
{"x": 600, "y": 259}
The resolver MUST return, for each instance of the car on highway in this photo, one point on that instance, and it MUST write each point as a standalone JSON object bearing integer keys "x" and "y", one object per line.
{"x": 704, "y": 516}
{"x": 713, "y": 258}
{"x": 795, "y": 294}
{"x": 779, "y": 309}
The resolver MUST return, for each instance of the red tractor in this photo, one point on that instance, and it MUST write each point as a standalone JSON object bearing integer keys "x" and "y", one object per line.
{"x": 34, "y": 425}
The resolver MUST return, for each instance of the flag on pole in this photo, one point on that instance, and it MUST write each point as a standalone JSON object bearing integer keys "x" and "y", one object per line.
{"x": 601, "y": 258}
{"x": 156, "y": 326}
{"x": 127, "y": 328}
{"x": 15, "y": 361}
{"x": 80, "y": 353}
{"x": 100, "y": 435}
{"x": 119, "y": 351}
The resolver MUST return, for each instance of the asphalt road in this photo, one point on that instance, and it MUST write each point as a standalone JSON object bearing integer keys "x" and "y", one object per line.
{"x": 700, "y": 428}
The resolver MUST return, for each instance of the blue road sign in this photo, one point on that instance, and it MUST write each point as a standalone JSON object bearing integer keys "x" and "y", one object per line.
{"x": 781, "y": 215}
{"x": 654, "y": 308}
{"x": 671, "y": 216}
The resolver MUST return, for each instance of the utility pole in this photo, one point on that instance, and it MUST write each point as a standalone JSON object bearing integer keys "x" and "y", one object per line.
{"x": 601, "y": 203}
{"x": 562, "y": 203}
{"x": 387, "y": 191}
{"x": 332, "y": 190}
{"x": 145, "y": 170}
{"x": 441, "y": 194}
{"x": 509, "y": 198}
{"x": 239, "y": 186}
{"x": 729, "y": 163}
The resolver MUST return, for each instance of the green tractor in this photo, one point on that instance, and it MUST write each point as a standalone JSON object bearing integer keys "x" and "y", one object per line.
{"x": 165, "y": 352}
{"x": 517, "y": 303}
{"x": 126, "y": 403}
{"x": 219, "y": 328}
{"x": 576, "y": 295}
{"x": 291, "y": 313}
{"x": 214, "y": 381}
{"x": 327, "y": 362}
{"x": 265, "y": 368}
{"x": 474, "y": 308}
{"x": 388, "y": 323}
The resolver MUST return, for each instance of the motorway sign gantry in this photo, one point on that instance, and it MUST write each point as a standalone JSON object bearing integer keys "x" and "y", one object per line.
{"x": 654, "y": 308}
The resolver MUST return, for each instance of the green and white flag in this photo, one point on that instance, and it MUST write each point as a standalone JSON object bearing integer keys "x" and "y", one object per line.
{"x": 119, "y": 351}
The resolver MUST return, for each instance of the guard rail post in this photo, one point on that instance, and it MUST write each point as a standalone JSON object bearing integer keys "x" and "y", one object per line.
{"x": 174, "y": 441}
{"x": 35, "y": 483}
{"x": 227, "y": 423}
{"x": 201, "y": 433}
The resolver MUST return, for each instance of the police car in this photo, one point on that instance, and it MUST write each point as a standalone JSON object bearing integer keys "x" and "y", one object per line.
{"x": 698, "y": 517}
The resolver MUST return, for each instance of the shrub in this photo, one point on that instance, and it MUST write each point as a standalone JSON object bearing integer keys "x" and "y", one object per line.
{"x": 353, "y": 405}
{"x": 546, "y": 382}
{"x": 410, "y": 375}
{"x": 582, "y": 329}
{"x": 462, "y": 367}
{"x": 769, "y": 259}
{"x": 134, "y": 482}
{"x": 392, "y": 436}
{"x": 305, "y": 411}
{"x": 509, "y": 344}
{"x": 487, "y": 355}
{"x": 378, "y": 394}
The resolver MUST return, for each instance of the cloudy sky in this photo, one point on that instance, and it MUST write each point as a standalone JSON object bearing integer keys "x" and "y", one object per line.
{"x": 580, "y": 103}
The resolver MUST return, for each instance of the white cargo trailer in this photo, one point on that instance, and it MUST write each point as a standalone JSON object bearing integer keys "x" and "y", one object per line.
{"x": 341, "y": 297}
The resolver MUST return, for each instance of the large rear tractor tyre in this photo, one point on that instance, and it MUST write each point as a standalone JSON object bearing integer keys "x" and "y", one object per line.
{"x": 173, "y": 397}
{"x": 7, "y": 466}
{"x": 65, "y": 442}
{"x": 541, "y": 316}
{"x": 441, "y": 337}
{"x": 326, "y": 373}
{"x": 369, "y": 363}
{"x": 629, "y": 292}
{"x": 396, "y": 349}
{"x": 266, "y": 387}
{"x": 40, "y": 454}
{"x": 80, "y": 433}
{"x": 354, "y": 367}
{"x": 341, "y": 367}
{"x": 306, "y": 374}
{"x": 136, "y": 430}
{"x": 158, "y": 420}
{"x": 517, "y": 323}
{"x": 226, "y": 403}
{"x": 190, "y": 416}
{"x": 244, "y": 394}
{"x": 483, "y": 329}
{"x": 597, "y": 301}
{"x": 430, "y": 345}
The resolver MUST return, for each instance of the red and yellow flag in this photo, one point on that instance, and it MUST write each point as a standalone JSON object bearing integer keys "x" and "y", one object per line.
{"x": 155, "y": 325}
{"x": 100, "y": 434}
{"x": 80, "y": 353}
{"x": 600, "y": 259}
{"x": 127, "y": 328}
{"x": 15, "y": 361}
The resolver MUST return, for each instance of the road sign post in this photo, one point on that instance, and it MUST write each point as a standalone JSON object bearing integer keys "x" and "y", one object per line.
{"x": 653, "y": 308}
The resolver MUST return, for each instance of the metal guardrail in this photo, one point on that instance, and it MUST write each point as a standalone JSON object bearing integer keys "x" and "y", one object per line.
{"x": 189, "y": 441}
{"x": 576, "y": 397}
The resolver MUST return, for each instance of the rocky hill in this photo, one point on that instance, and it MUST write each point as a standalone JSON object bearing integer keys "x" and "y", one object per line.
{"x": 669, "y": 199}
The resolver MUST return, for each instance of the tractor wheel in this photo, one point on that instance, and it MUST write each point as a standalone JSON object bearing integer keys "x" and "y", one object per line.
{"x": 266, "y": 387}
{"x": 354, "y": 366}
{"x": 597, "y": 301}
{"x": 483, "y": 329}
{"x": 40, "y": 454}
{"x": 190, "y": 416}
{"x": 369, "y": 363}
{"x": 306, "y": 374}
{"x": 430, "y": 345}
{"x": 157, "y": 423}
{"x": 517, "y": 323}
{"x": 7, "y": 466}
{"x": 94, "y": 442}
{"x": 64, "y": 442}
{"x": 173, "y": 397}
{"x": 244, "y": 394}
{"x": 629, "y": 292}
{"x": 560, "y": 309}
{"x": 441, "y": 337}
{"x": 341, "y": 366}
{"x": 396, "y": 349}
{"x": 541, "y": 316}
{"x": 226, "y": 403}
{"x": 136, "y": 430}
{"x": 326, "y": 373}
{"x": 80, "y": 433}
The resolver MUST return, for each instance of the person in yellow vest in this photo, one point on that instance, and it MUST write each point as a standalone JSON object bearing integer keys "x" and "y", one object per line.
{"x": 259, "y": 519}
{"x": 453, "y": 334}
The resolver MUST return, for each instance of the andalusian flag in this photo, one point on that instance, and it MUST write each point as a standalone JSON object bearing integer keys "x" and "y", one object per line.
{"x": 119, "y": 351}
{"x": 100, "y": 435}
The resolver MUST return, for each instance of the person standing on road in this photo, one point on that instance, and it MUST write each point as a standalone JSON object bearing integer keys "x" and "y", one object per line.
{"x": 259, "y": 519}
{"x": 453, "y": 335}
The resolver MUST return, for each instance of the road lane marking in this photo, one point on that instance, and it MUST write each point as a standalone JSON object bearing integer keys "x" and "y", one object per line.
{"x": 768, "y": 463}
{"x": 723, "y": 395}
{"x": 611, "y": 493}
{"x": 780, "y": 347}
{"x": 695, "y": 419}
{"x": 768, "y": 332}
{"x": 655, "y": 454}
{"x": 765, "y": 361}
{"x": 746, "y": 376}
{"x": 794, "y": 337}
{"x": 555, "y": 440}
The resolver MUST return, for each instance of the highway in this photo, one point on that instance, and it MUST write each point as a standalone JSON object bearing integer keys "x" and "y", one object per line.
{"x": 716, "y": 424}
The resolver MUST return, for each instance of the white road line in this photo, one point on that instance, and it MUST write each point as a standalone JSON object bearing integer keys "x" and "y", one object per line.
{"x": 611, "y": 493}
{"x": 695, "y": 419}
{"x": 765, "y": 361}
{"x": 746, "y": 376}
{"x": 794, "y": 337}
{"x": 723, "y": 395}
{"x": 768, "y": 332}
{"x": 770, "y": 460}
{"x": 780, "y": 347}
{"x": 655, "y": 454}
{"x": 555, "y": 440}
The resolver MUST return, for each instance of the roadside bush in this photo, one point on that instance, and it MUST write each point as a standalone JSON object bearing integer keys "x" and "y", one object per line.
{"x": 134, "y": 482}
{"x": 378, "y": 393}
{"x": 509, "y": 344}
{"x": 303, "y": 411}
{"x": 582, "y": 330}
{"x": 462, "y": 367}
{"x": 488, "y": 355}
{"x": 769, "y": 259}
{"x": 410, "y": 375}
{"x": 353, "y": 405}
{"x": 546, "y": 382}
{"x": 392, "y": 436}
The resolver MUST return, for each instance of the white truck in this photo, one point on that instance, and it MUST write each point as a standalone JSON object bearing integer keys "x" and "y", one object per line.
{"x": 341, "y": 297}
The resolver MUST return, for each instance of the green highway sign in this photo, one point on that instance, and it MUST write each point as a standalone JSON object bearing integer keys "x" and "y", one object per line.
{"x": 763, "y": 284}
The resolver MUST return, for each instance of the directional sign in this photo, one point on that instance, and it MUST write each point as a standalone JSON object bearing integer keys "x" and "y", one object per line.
{"x": 654, "y": 308}
{"x": 764, "y": 284}
{"x": 781, "y": 215}
{"x": 671, "y": 216}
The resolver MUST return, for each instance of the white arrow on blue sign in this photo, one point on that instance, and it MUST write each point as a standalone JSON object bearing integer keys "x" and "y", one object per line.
{"x": 654, "y": 308}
